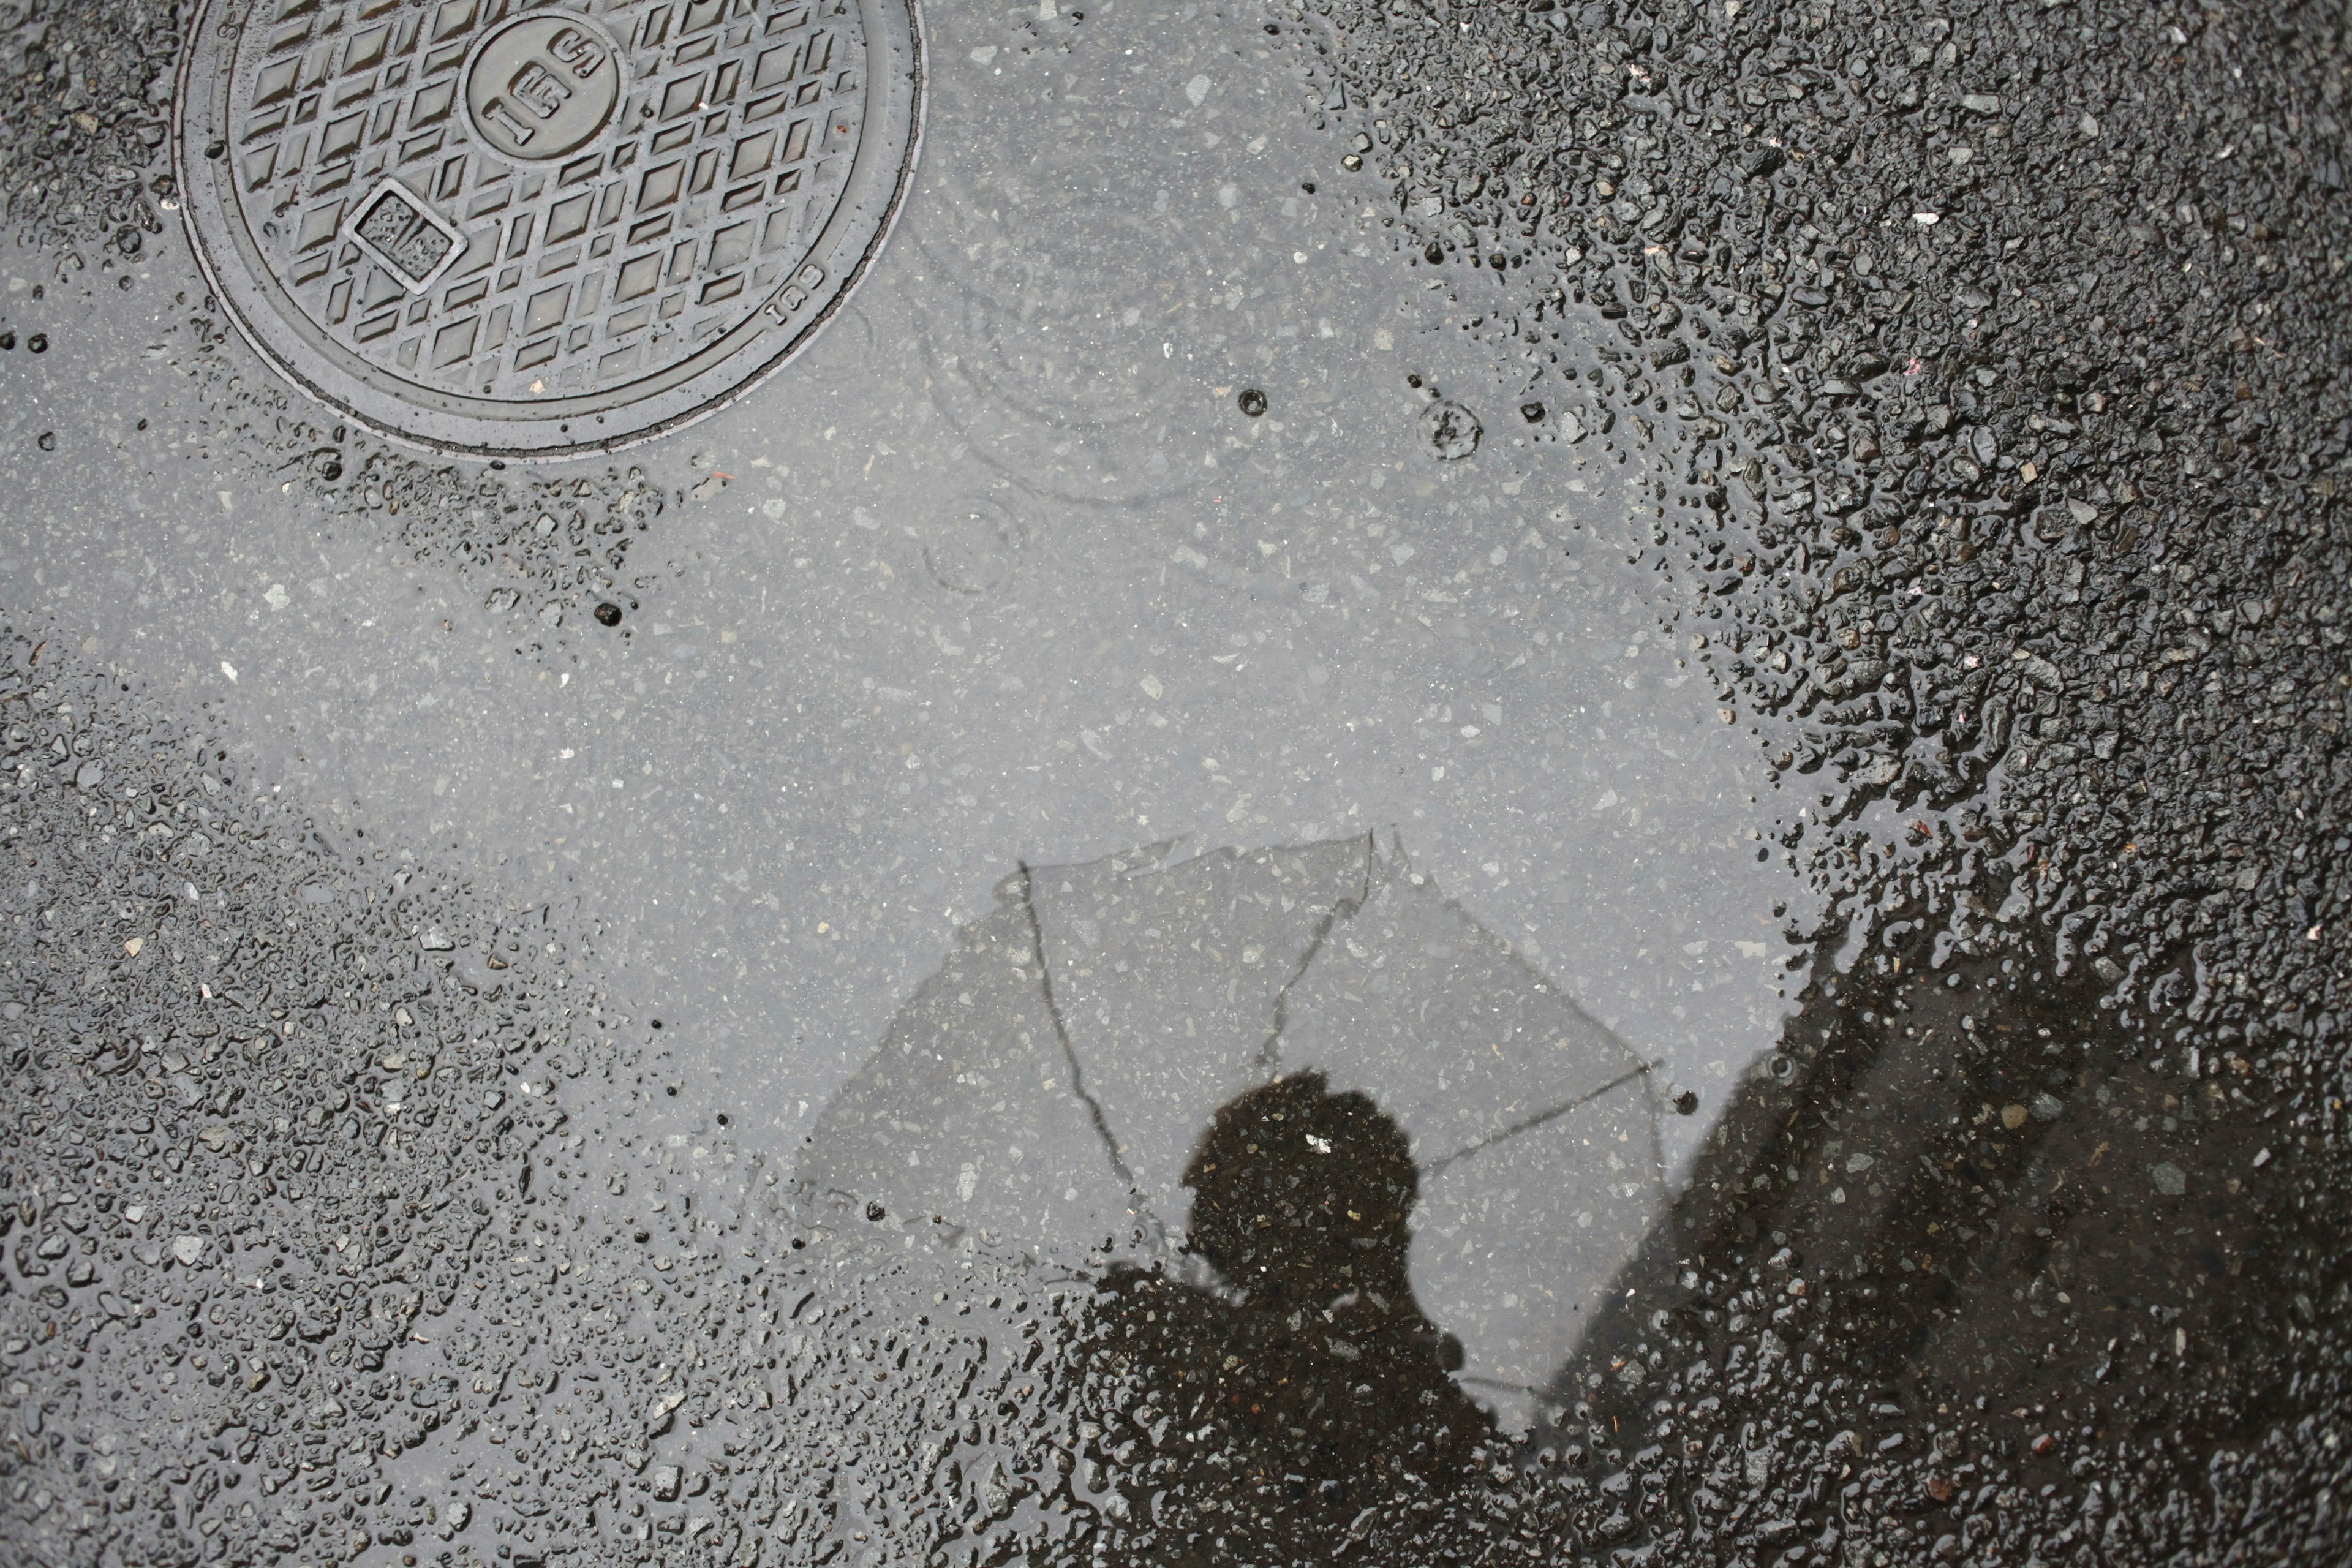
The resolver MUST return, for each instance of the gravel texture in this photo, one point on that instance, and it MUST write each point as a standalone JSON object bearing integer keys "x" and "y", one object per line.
{"x": 542, "y": 550}
{"x": 86, "y": 97}
{"x": 1991, "y": 371}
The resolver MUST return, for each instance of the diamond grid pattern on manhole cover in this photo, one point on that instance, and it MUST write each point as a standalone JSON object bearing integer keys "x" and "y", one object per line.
{"x": 534, "y": 229}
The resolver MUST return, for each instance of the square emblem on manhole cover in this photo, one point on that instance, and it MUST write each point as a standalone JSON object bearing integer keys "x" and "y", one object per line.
{"x": 533, "y": 231}
{"x": 403, "y": 237}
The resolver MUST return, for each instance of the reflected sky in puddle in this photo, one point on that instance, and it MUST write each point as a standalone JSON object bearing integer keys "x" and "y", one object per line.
{"x": 1046, "y": 592}
{"x": 1001, "y": 575}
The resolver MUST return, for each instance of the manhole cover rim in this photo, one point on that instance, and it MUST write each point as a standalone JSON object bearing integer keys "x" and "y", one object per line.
{"x": 850, "y": 239}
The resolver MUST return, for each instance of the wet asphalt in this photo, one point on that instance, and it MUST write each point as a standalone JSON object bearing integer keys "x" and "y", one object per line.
{"x": 1459, "y": 783}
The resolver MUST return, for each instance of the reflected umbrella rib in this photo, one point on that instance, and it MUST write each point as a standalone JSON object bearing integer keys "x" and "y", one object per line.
{"x": 1433, "y": 1167}
{"x": 1270, "y": 1054}
{"x": 1111, "y": 1149}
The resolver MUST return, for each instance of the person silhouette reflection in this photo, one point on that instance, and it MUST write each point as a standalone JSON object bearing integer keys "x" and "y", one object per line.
{"x": 1306, "y": 1381}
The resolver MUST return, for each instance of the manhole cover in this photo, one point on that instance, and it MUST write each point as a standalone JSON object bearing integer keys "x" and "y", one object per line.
{"x": 527, "y": 230}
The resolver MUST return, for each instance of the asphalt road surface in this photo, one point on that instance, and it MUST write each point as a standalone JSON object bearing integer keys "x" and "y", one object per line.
{"x": 792, "y": 783}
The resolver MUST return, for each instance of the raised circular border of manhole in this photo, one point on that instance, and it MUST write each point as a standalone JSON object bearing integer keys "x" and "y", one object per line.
{"x": 517, "y": 230}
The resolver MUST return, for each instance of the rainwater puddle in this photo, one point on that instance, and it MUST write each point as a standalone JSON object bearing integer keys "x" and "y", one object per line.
{"x": 1147, "y": 540}
{"x": 1000, "y": 573}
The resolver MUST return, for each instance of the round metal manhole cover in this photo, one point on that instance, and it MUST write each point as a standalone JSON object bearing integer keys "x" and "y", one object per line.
{"x": 530, "y": 230}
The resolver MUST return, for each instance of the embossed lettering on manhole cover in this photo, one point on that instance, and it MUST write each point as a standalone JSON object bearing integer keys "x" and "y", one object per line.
{"x": 526, "y": 231}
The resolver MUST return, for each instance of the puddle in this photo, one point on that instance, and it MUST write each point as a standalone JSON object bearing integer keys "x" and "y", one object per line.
{"x": 1001, "y": 572}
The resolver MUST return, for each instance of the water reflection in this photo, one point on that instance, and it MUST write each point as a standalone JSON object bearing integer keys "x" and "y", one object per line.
{"x": 1049, "y": 1091}
{"x": 1968, "y": 1199}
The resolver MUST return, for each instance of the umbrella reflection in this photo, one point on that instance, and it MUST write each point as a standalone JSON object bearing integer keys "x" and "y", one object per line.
{"x": 1064, "y": 1086}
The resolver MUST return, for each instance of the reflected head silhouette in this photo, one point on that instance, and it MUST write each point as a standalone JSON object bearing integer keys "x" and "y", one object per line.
{"x": 1313, "y": 1366}
{"x": 1301, "y": 1196}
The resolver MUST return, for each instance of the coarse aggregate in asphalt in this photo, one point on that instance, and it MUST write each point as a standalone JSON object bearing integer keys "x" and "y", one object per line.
{"x": 2000, "y": 363}
{"x": 2002, "y": 357}
{"x": 88, "y": 94}
{"x": 1986, "y": 372}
